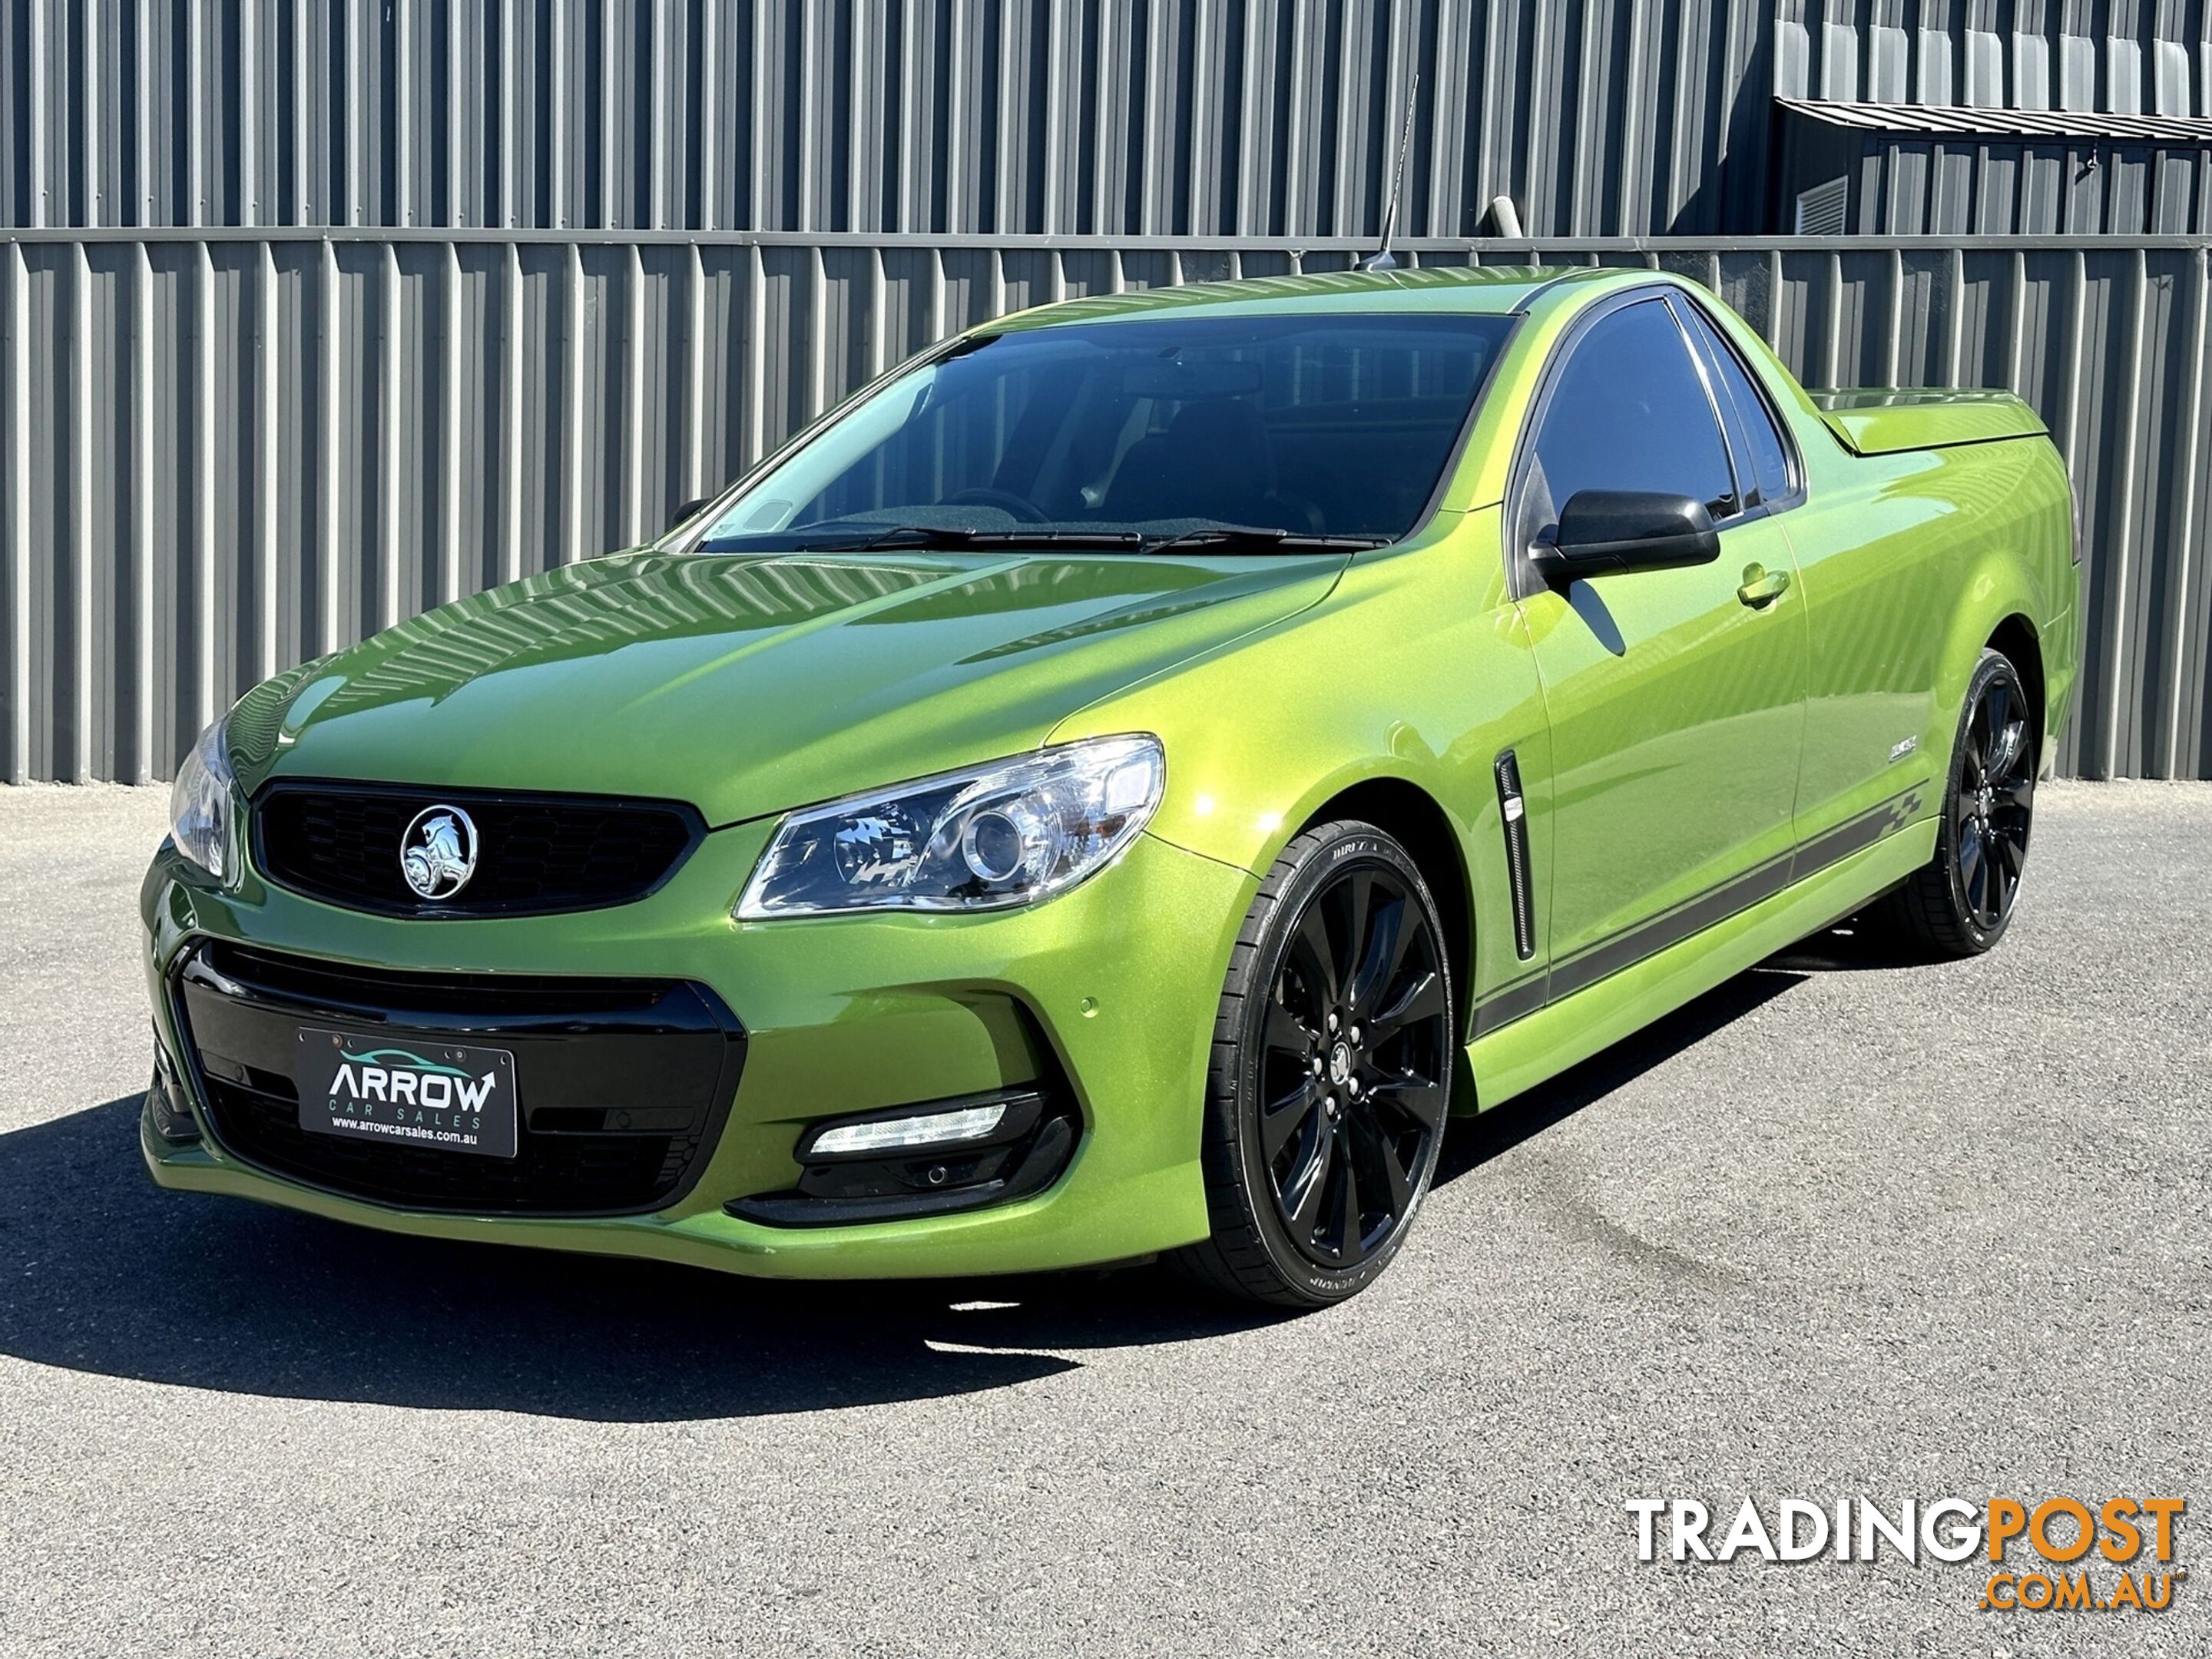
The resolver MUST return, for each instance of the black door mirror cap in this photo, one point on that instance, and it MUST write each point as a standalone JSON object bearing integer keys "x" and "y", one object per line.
{"x": 689, "y": 511}
{"x": 1609, "y": 531}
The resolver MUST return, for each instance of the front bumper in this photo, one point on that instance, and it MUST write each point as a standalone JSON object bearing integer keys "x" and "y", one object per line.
{"x": 1110, "y": 988}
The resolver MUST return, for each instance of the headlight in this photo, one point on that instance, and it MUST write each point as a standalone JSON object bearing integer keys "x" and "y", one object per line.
{"x": 1006, "y": 833}
{"x": 201, "y": 816}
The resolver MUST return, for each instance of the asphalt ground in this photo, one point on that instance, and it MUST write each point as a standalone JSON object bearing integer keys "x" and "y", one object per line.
{"x": 1843, "y": 1228}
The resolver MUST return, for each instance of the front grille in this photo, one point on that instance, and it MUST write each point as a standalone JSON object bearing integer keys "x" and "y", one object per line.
{"x": 535, "y": 854}
{"x": 623, "y": 1084}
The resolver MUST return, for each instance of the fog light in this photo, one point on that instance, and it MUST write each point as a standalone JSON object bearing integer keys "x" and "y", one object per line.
{"x": 930, "y": 1159}
{"x": 890, "y": 1134}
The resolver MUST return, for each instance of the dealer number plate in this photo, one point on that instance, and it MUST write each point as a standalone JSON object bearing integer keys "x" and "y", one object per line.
{"x": 395, "y": 1089}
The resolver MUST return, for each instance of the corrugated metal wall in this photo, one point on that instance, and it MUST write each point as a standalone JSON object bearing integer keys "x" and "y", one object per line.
{"x": 220, "y": 455}
{"x": 1245, "y": 118}
{"x": 2124, "y": 56}
{"x": 1113, "y": 117}
{"x": 1914, "y": 186}
{"x": 1906, "y": 184}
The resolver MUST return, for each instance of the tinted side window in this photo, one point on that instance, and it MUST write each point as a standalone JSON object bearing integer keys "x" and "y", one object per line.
{"x": 1769, "y": 460}
{"x": 1630, "y": 412}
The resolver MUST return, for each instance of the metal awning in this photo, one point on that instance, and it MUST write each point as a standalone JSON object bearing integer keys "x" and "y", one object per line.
{"x": 1950, "y": 120}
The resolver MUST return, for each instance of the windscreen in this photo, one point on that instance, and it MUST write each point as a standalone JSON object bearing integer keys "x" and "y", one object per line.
{"x": 1331, "y": 427}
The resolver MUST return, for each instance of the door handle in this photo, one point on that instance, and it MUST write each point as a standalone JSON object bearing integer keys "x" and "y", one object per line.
{"x": 1762, "y": 586}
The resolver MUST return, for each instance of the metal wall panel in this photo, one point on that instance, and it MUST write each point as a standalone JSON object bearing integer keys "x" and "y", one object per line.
{"x": 1915, "y": 186}
{"x": 2121, "y": 57}
{"x": 221, "y": 454}
{"x": 1251, "y": 118}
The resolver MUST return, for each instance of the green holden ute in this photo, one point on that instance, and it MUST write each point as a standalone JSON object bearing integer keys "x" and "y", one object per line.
{"x": 1116, "y": 788}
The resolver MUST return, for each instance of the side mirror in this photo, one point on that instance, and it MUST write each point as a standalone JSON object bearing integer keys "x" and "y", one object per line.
{"x": 1604, "y": 532}
{"x": 689, "y": 511}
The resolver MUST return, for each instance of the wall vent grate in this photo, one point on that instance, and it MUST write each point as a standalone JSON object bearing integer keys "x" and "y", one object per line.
{"x": 1821, "y": 210}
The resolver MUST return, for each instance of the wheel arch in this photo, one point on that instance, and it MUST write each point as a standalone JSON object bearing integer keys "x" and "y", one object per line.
{"x": 2016, "y": 636}
{"x": 1996, "y": 599}
{"x": 1413, "y": 817}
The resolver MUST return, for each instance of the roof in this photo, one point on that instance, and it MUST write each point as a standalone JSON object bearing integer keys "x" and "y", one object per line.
{"x": 1949, "y": 121}
{"x": 1495, "y": 290}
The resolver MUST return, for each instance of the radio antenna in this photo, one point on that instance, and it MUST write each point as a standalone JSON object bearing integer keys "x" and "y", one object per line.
{"x": 1383, "y": 258}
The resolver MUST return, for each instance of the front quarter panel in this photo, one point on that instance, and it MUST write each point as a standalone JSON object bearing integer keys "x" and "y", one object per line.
{"x": 1416, "y": 669}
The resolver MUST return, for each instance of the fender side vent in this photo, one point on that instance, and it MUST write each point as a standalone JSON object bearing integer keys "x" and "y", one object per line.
{"x": 1515, "y": 814}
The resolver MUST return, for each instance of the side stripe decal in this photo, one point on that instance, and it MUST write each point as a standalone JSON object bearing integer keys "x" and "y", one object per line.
{"x": 1503, "y": 1006}
{"x": 1693, "y": 915}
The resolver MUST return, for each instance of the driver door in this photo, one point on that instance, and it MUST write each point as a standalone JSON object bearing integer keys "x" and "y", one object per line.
{"x": 1675, "y": 697}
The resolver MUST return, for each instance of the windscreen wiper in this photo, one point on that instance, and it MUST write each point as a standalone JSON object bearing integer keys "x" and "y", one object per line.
{"x": 1245, "y": 537}
{"x": 929, "y": 536}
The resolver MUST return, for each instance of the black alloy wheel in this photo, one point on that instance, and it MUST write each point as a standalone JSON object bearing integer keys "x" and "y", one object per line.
{"x": 1351, "y": 1066}
{"x": 1332, "y": 1071}
{"x": 1960, "y": 903}
{"x": 1992, "y": 801}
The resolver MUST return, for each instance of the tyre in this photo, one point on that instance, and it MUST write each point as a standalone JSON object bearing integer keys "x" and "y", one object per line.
{"x": 1331, "y": 1074}
{"x": 1960, "y": 903}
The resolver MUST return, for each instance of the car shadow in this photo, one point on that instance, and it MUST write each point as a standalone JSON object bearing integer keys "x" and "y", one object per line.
{"x": 1473, "y": 1142}
{"x": 101, "y": 1271}
{"x": 1848, "y": 947}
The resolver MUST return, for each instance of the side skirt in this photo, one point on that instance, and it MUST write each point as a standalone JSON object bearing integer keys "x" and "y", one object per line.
{"x": 1516, "y": 1058}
